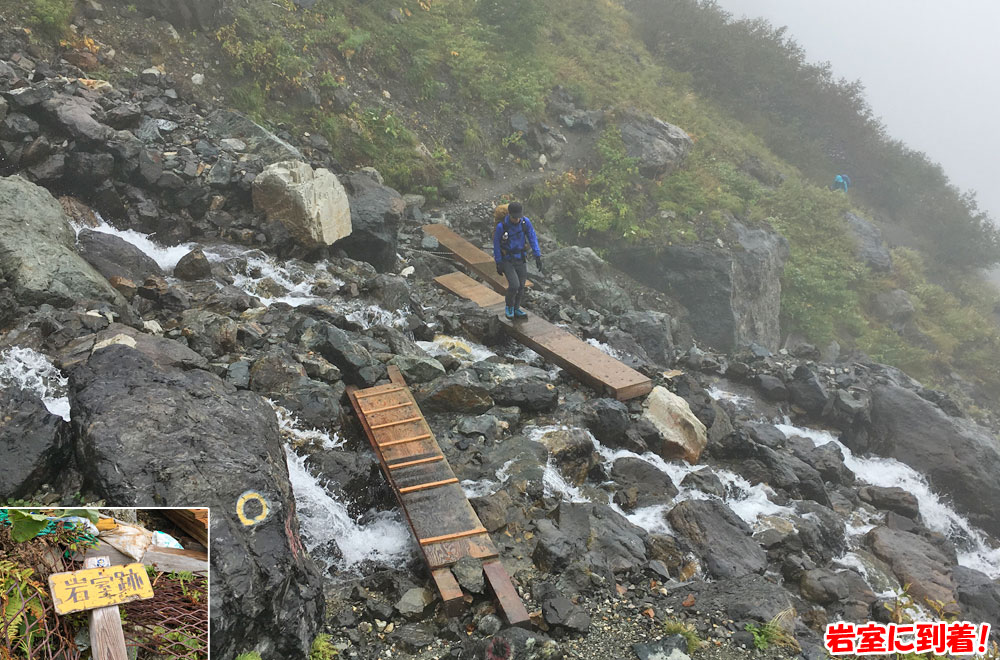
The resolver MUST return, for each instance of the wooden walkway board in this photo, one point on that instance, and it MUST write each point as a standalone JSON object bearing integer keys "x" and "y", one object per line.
{"x": 464, "y": 286}
{"x": 435, "y": 506}
{"x": 469, "y": 255}
{"x": 588, "y": 363}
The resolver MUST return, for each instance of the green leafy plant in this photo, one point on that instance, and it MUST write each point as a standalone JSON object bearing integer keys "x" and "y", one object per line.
{"x": 774, "y": 632}
{"x": 27, "y": 524}
{"x": 51, "y": 17}
{"x": 21, "y": 604}
{"x": 253, "y": 655}
{"x": 322, "y": 648}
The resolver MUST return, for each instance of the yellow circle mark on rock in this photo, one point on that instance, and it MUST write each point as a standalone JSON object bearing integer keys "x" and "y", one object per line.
{"x": 251, "y": 496}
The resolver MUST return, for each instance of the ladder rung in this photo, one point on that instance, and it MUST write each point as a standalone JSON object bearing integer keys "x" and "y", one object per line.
{"x": 397, "y": 423}
{"x": 387, "y": 408}
{"x": 425, "y": 436}
{"x": 421, "y": 461}
{"x": 429, "y": 484}
{"x": 451, "y": 537}
{"x": 365, "y": 395}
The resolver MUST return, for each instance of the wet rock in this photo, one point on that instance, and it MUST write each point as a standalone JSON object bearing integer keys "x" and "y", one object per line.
{"x": 376, "y": 214}
{"x": 820, "y": 530}
{"x": 193, "y": 266}
{"x": 607, "y": 420}
{"x": 36, "y": 250}
{"x": 958, "y": 457}
{"x": 469, "y": 573}
{"x": 682, "y": 435}
{"x": 75, "y": 116}
{"x": 807, "y": 392}
{"x": 115, "y": 257}
{"x": 414, "y": 602}
{"x": 705, "y": 481}
{"x": 152, "y": 436}
{"x": 893, "y": 499}
{"x": 414, "y": 636}
{"x": 719, "y": 537}
{"x": 669, "y": 648}
{"x": 312, "y": 204}
{"x": 654, "y": 487}
{"x": 978, "y": 595}
{"x": 572, "y": 451}
{"x": 772, "y": 388}
{"x": 416, "y": 369}
{"x": 659, "y": 147}
{"x": 652, "y": 330}
{"x": 829, "y": 462}
{"x": 35, "y": 445}
{"x": 745, "y": 598}
{"x": 916, "y": 562}
{"x": 458, "y": 392}
{"x": 823, "y": 586}
{"x": 492, "y": 509}
{"x": 339, "y": 348}
{"x": 528, "y": 394}
{"x": 17, "y": 126}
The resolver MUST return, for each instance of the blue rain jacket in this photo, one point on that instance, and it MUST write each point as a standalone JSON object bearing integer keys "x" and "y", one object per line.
{"x": 510, "y": 240}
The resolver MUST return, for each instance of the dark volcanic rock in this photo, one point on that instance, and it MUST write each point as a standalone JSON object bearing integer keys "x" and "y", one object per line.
{"x": 733, "y": 296}
{"x": 34, "y": 444}
{"x": 871, "y": 248}
{"x": 607, "y": 420}
{"x": 719, "y": 537}
{"x": 376, "y": 213}
{"x": 659, "y": 147}
{"x": 653, "y": 486}
{"x": 459, "y": 392}
{"x": 115, "y": 257}
{"x": 978, "y": 595}
{"x": 154, "y": 436}
{"x": 893, "y": 499}
{"x": 957, "y": 457}
{"x": 528, "y": 394}
{"x": 916, "y": 562}
{"x": 592, "y": 280}
{"x": 193, "y": 266}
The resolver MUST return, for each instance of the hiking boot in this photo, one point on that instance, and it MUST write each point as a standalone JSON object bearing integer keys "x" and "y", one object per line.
{"x": 520, "y": 313}
{"x": 508, "y": 312}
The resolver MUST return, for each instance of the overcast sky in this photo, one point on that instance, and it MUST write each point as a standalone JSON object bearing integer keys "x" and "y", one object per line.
{"x": 931, "y": 70}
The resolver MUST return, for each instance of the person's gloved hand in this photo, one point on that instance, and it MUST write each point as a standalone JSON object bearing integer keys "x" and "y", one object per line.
{"x": 538, "y": 263}
{"x": 499, "y": 269}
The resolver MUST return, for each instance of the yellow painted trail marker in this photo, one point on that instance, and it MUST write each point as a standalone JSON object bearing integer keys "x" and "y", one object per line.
{"x": 99, "y": 587}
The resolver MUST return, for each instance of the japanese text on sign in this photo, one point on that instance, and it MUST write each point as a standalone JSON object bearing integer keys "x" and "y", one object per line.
{"x": 99, "y": 587}
{"x": 938, "y": 637}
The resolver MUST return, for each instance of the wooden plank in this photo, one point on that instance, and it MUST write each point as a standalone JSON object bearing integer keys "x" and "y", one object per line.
{"x": 465, "y": 287}
{"x": 450, "y": 552}
{"x": 505, "y": 593}
{"x": 107, "y": 639}
{"x": 450, "y": 592}
{"x": 467, "y": 254}
{"x": 397, "y": 422}
{"x": 192, "y": 521}
{"x": 588, "y": 363}
{"x": 388, "y": 408}
{"x": 416, "y": 438}
{"x": 452, "y": 537}
{"x": 387, "y": 390}
{"x": 169, "y": 560}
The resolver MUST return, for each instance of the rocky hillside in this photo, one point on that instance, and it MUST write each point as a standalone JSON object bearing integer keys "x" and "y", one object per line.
{"x": 187, "y": 295}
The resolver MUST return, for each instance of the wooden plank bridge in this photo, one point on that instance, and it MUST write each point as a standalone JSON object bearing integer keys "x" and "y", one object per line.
{"x": 587, "y": 363}
{"x": 442, "y": 520}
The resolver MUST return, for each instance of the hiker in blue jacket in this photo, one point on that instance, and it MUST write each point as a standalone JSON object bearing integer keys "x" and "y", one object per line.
{"x": 510, "y": 251}
{"x": 842, "y": 182}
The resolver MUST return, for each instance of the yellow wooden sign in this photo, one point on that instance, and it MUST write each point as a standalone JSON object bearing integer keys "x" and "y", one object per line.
{"x": 99, "y": 587}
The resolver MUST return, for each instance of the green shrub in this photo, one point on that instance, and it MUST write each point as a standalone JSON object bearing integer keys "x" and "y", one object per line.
{"x": 322, "y": 648}
{"x": 51, "y": 17}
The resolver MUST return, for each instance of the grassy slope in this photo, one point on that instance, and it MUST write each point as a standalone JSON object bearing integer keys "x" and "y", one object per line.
{"x": 457, "y": 68}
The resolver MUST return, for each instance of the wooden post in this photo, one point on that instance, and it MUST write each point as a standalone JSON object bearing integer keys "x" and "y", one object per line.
{"x": 107, "y": 639}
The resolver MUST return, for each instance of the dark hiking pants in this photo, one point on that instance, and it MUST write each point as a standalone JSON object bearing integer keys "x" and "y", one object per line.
{"x": 516, "y": 273}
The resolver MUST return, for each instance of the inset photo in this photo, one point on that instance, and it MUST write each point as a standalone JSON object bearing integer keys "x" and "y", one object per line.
{"x": 103, "y": 584}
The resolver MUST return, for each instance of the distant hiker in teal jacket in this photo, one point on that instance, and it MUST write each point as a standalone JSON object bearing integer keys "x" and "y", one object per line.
{"x": 511, "y": 239}
{"x": 841, "y": 182}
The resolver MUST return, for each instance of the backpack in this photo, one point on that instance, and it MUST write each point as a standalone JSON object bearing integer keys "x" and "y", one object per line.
{"x": 499, "y": 213}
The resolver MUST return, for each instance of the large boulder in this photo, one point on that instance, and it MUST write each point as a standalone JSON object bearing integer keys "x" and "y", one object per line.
{"x": 154, "y": 436}
{"x": 652, "y": 331}
{"x": 376, "y": 213}
{"x": 917, "y": 563}
{"x": 34, "y": 444}
{"x": 592, "y": 280}
{"x": 682, "y": 435}
{"x": 959, "y": 458}
{"x": 36, "y": 249}
{"x": 871, "y": 248}
{"x": 733, "y": 295}
{"x": 113, "y": 256}
{"x": 719, "y": 537}
{"x": 659, "y": 147}
{"x": 978, "y": 595}
{"x": 310, "y": 203}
